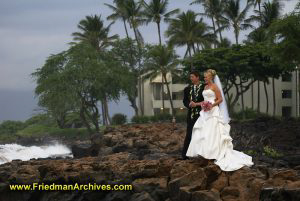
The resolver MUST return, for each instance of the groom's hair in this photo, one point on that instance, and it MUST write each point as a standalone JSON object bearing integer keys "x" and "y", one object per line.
{"x": 196, "y": 73}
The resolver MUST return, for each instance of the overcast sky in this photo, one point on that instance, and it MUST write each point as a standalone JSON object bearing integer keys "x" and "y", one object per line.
{"x": 31, "y": 30}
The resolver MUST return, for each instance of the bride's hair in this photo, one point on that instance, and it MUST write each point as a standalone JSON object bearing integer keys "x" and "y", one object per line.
{"x": 212, "y": 72}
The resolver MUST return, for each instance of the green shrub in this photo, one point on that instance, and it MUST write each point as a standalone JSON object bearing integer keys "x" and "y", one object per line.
{"x": 11, "y": 127}
{"x": 119, "y": 119}
{"x": 271, "y": 152}
{"x": 162, "y": 117}
{"x": 140, "y": 119}
{"x": 251, "y": 152}
{"x": 181, "y": 117}
{"x": 73, "y": 120}
{"x": 37, "y": 130}
{"x": 42, "y": 119}
{"x": 251, "y": 114}
{"x": 154, "y": 118}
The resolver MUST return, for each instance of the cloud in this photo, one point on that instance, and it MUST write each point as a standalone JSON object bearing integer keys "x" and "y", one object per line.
{"x": 32, "y": 30}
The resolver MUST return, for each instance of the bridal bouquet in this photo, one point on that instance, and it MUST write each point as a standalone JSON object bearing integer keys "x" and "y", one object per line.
{"x": 205, "y": 105}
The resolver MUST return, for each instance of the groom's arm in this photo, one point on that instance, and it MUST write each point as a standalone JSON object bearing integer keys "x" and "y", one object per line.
{"x": 186, "y": 100}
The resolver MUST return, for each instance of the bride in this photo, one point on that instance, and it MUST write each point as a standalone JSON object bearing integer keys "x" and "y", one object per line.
{"x": 210, "y": 135}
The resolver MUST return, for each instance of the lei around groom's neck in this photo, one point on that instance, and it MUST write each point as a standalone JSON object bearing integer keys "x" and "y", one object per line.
{"x": 199, "y": 84}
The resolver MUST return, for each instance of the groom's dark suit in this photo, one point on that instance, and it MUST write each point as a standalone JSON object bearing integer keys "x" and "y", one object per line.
{"x": 196, "y": 97}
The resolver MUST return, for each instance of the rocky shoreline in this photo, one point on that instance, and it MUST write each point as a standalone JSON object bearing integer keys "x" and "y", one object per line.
{"x": 148, "y": 157}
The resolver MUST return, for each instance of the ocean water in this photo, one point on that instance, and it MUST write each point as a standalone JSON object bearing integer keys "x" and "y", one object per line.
{"x": 9, "y": 152}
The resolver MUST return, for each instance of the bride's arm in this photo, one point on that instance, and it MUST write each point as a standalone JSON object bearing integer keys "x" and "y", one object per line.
{"x": 219, "y": 98}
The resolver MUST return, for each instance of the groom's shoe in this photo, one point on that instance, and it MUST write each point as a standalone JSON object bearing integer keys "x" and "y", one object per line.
{"x": 184, "y": 158}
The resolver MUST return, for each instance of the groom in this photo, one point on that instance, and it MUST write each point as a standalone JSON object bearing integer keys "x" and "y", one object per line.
{"x": 192, "y": 95}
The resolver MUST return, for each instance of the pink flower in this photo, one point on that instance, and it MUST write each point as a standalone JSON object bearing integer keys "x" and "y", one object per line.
{"x": 205, "y": 105}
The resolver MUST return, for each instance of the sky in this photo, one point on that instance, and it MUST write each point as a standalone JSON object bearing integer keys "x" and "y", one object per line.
{"x": 32, "y": 30}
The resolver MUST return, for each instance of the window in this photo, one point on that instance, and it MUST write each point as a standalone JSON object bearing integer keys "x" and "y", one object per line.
{"x": 286, "y": 77}
{"x": 286, "y": 111}
{"x": 157, "y": 92}
{"x": 177, "y": 95}
{"x": 286, "y": 93}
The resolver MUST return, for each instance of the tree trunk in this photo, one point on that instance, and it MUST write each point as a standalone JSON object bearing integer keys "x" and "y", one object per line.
{"x": 220, "y": 34}
{"x": 189, "y": 49}
{"x": 274, "y": 97}
{"x": 237, "y": 96}
{"x": 106, "y": 111}
{"x": 103, "y": 113}
{"x": 244, "y": 89}
{"x": 162, "y": 94}
{"x": 259, "y": 9}
{"x": 242, "y": 94}
{"x": 95, "y": 120}
{"x": 252, "y": 97}
{"x": 124, "y": 22}
{"x": 236, "y": 38}
{"x": 258, "y": 96}
{"x": 158, "y": 28}
{"x": 267, "y": 97}
{"x": 198, "y": 48}
{"x": 194, "y": 48}
{"x": 61, "y": 121}
{"x": 133, "y": 104}
{"x": 83, "y": 118}
{"x": 170, "y": 98}
{"x": 131, "y": 99}
{"x": 214, "y": 27}
{"x": 127, "y": 35}
{"x": 186, "y": 52}
{"x": 139, "y": 74}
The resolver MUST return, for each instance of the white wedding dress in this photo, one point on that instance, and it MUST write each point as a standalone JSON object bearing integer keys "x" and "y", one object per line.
{"x": 211, "y": 139}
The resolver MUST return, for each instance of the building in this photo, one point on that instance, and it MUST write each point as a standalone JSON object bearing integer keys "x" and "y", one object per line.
{"x": 152, "y": 96}
{"x": 287, "y": 100}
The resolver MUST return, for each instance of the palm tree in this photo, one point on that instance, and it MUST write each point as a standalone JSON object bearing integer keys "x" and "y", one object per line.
{"x": 155, "y": 11}
{"x": 270, "y": 12}
{"x": 163, "y": 60}
{"x": 297, "y": 8}
{"x": 236, "y": 18}
{"x": 287, "y": 33}
{"x": 135, "y": 19}
{"x": 255, "y": 3}
{"x": 187, "y": 30}
{"x": 119, "y": 13}
{"x": 94, "y": 32}
{"x": 256, "y": 36}
{"x": 213, "y": 9}
{"x": 225, "y": 43}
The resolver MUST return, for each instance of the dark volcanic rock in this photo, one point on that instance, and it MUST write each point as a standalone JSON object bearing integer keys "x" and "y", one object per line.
{"x": 279, "y": 194}
{"x": 147, "y": 156}
{"x": 80, "y": 151}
